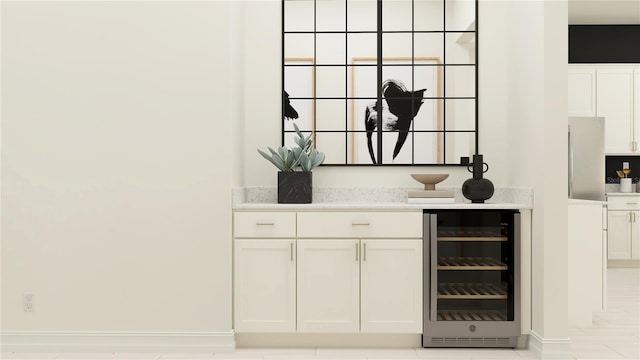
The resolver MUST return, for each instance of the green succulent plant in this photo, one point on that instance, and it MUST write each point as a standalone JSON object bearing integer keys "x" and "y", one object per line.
{"x": 290, "y": 159}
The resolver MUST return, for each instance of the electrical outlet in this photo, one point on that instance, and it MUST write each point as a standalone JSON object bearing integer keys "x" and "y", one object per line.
{"x": 27, "y": 302}
{"x": 625, "y": 165}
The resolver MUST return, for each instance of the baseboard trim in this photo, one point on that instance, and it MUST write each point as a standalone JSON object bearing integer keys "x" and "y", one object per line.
{"x": 306, "y": 340}
{"x": 549, "y": 348}
{"x": 158, "y": 342}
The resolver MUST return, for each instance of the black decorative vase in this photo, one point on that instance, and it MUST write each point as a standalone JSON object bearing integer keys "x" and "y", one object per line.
{"x": 477, "y": 189}
{"x": 294, "y": 187}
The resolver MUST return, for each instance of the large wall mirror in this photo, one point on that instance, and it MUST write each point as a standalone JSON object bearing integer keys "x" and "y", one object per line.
{"x": 382, "y": 82}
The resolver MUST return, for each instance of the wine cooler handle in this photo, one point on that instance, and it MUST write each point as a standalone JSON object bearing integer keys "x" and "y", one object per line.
{"x": 517, "y": 237}
{"x": 433, "y": 244}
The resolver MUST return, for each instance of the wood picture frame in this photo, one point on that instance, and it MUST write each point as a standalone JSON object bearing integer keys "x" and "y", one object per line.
{"x": 428, "y": 121}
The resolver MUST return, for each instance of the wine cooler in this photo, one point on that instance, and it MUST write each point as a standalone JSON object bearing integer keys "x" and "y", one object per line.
{"x": 471, "y": 274}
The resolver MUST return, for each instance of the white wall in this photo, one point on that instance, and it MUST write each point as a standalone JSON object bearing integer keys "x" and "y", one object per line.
{"x": 538, "y": 142}
{"x": 117, "y": 126}
{"x": 123, "y": 133}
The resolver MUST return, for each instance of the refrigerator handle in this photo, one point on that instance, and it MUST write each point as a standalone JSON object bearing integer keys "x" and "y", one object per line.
{"x": 570, "y": 163}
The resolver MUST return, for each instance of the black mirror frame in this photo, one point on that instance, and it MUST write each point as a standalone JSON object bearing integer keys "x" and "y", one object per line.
{"x": 288, "y": 112}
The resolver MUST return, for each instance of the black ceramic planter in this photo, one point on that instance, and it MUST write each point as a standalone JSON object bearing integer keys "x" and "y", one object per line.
{"x": 294, "y": 187}
{"x": 477, "y": 189}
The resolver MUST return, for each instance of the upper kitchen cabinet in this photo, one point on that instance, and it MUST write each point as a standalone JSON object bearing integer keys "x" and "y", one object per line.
{"x": 582, "y": 91}
{"x": 636, "y": 104}
{"x": 615, "y": 102}
{"x": 613, "y": 92}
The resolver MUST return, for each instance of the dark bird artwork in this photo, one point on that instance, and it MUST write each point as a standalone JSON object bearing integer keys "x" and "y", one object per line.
{"x": 398, "y": 112}
{"x": 289, "y": 112}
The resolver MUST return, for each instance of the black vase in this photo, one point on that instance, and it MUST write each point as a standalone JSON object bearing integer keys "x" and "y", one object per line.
{"x": 477, "y": 189}
{"x": 294, "y": 187}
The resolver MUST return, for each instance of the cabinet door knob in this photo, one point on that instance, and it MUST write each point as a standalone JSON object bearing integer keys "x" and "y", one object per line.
{"x": 356, "y": 251}
{"x": 291, "y": 247}
{"x": 265, "y": 224}
{"x": 362, "y": 223}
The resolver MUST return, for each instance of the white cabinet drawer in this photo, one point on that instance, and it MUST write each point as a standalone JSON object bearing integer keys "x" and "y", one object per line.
{"x": 627, "y": 202}
{"x": 264, "y": 225}
{"x": 360, "y": 224}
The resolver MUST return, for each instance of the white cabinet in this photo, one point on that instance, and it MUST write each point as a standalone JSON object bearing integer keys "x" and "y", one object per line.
{"x": 620, "y": 234}
{"x": 636, "y": 107}
{"x": 328, "y": 286}
{"x": 384, "y": 295}
{"x": 345, "y": 224}
{"x": 613, "y": 92}
{"x": 391, "y": 286}
{"x": 614, "y": 102}
{"x": 582, "y": 91}
{"x": 264, "y": 285}
{"x": 624, "y": 227}
{"x": 587, "y": 262}
{"x": 264, "y": 272}
{"x": 264, "y": 225}
{"x": 371, "y": 286}
{"x": 328, "y": 272}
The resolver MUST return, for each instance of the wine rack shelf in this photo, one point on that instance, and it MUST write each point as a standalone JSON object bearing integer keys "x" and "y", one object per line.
{"x": 470, "y": 235}
{"x": 470, "y": 263}
{"x": 475, "y": 315}
{"x": 470, "y": 291}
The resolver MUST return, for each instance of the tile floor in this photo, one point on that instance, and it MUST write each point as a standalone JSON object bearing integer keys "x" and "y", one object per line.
{"x": 615, "y": 334}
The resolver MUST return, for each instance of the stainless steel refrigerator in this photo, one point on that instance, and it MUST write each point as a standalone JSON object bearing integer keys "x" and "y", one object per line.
{"x": 586, "y": 158}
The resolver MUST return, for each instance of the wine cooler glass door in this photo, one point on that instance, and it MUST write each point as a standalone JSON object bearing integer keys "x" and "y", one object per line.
{"x": 472, "y": 266}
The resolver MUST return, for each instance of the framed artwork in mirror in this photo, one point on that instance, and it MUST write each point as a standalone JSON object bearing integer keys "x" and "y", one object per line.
{"x": 398, "y": 89}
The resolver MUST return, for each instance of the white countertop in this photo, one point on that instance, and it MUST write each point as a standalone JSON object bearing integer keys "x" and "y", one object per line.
{"x": 374, "y": 199}
{"x": 375, "y": 206}
{"x": 623, "y": 194}
{"x": 586, "y": 202}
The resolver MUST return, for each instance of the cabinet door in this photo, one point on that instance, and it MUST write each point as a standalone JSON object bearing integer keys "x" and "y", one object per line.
{"x": 264, "y": 285}
{"x": 635, "y": 235}
{"x": 619, "y": 235}
{"x": 614, "y": 94}
{"x": 328, "y": 286}
{"x": 582, "y": 91}
{"x": 636, "y": 109}
{"x": 391, "y": 286}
